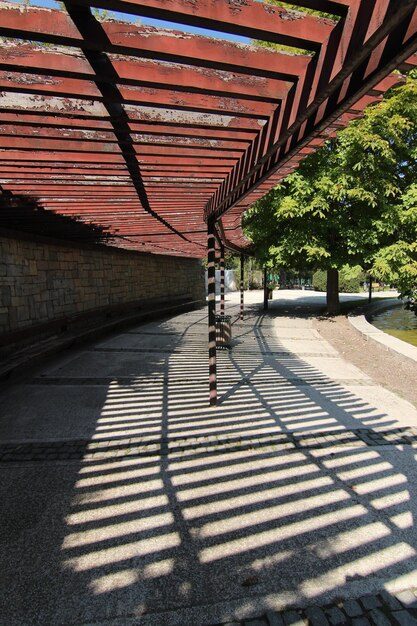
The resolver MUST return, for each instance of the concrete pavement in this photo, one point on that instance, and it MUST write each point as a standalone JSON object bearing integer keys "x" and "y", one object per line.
{"x": 127, "y": 500}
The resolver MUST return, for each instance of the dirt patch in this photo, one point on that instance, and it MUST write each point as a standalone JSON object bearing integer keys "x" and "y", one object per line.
{"x": 385, "y": 368}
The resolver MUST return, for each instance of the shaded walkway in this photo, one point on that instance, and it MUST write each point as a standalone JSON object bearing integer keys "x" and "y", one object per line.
{"x": 127, "y": 497}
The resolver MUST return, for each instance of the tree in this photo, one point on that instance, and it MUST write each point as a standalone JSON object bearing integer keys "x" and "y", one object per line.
{"x": 354, "y": 202}
{"x": 397, "y": 263}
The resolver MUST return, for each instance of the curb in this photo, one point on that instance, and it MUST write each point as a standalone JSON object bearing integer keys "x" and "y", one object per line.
{"x": 391, "y": 344}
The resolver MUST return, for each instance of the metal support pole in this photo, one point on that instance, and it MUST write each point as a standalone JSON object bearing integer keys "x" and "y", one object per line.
{"x": 370, "y": 289}
{"x": 242, "y": 274}
{"x": 221, "y": 279}
{"x": 265, "y": 289}
{"x": 211, "y": 267}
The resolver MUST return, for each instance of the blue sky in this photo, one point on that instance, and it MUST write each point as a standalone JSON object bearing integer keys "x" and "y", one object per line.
{"x": 159, "y": 23}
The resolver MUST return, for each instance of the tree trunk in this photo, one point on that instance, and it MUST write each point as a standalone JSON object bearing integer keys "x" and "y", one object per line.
{"x": 265, "y": 289}
{"x": 370, "y": 289}
{"x": 332, "y": 295}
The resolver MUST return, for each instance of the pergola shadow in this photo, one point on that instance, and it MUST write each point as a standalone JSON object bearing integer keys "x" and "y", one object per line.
{"x": 179, "y": 513}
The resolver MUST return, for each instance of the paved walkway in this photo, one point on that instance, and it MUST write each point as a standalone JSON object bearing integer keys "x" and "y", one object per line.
{"x": 127, "y": 500}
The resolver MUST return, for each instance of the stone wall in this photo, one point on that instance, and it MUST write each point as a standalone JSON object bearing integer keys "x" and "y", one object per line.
{"x": 43, "y": 280}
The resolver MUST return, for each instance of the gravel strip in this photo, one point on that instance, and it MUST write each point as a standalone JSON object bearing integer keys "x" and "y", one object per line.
{"x": 385, "y": 368}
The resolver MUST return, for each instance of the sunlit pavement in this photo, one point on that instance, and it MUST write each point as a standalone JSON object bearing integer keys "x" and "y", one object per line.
{"x": 127, "y": 500}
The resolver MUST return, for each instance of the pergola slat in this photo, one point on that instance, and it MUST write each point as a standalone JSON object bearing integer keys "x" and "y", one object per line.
{"x": 256, "y": 20}
{"x": 147, "y": 131}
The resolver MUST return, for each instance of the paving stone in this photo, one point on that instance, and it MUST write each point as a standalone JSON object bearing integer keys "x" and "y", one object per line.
{"x": 352, "y": 608}
{"x": 407, "y": 599}
{"x": 403, "y": 618}
{"x": 291, "y": 618}
{"x": 255, "y": 622}
{"x": 378, "y": 618}
{"x": 361, "y": 621}
{"x": 274, "y": 619}
{"x": 390, "y": 601}
{"x": 316, "y": 616}
{"x": 336, "y": 617}
{"x": 40, "y": 451}
{"x": 370, "y": 602}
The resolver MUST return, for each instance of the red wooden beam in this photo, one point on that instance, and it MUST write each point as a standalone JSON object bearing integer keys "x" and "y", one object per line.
{"x": 251, "y": 19}
{"x": 149, "y": 42}
{"x": 27, "y": 58}
{"x": 86, "y": 90}
{"x": 199, "y": 124}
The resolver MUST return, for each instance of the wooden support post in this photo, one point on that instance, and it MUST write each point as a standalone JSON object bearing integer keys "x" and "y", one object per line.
{"x": 211, "y": 267}
{"x": 242, "y": 276}
{"x": 222, "y": 308}
{"x": 265, "y": 289}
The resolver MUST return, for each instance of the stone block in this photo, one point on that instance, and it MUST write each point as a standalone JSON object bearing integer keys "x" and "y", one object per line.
{"x": 407, "y": 599}
{"x": 379, "y": 618}
{"x": 336, "y": 617}
{"x": 12, "y": 319}
{"x": 292, "y": 618}
{"x": 33, "y": 269}
{"x": 23, "y": 314}
{"x": 71, "y": 280}
{"x": 352, "y": 608}
{"x": 274, "y": 619}
{"x": 14, "y": 270}
{"x": 403, "y": 618}
{"x": 370, "y": 602}
{"x": 316, "y": 616}
{"x": 390, "y": 601}
{"x": 5, "y": 296}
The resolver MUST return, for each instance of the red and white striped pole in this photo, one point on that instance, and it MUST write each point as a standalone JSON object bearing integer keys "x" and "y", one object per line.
{"x": 211, "y": 275}
{"x": 242, "y": 275}
{"x": 222, "y": 307}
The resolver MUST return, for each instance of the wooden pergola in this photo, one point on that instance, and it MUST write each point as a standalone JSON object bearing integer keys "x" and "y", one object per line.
{"x": 162, "y": 138}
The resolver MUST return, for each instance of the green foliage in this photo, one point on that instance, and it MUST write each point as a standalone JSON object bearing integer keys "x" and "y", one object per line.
{"x": 290, "y": 6}
{"x": 231, "y": 261}
{"x": 351, "y": 279}
{"x": 397, "y": 263}
{"x": 102, "y": 15}
{"x": 354, "y": 202}
{"x": 320, "y": 280}
{"x": 349, "y": 283}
